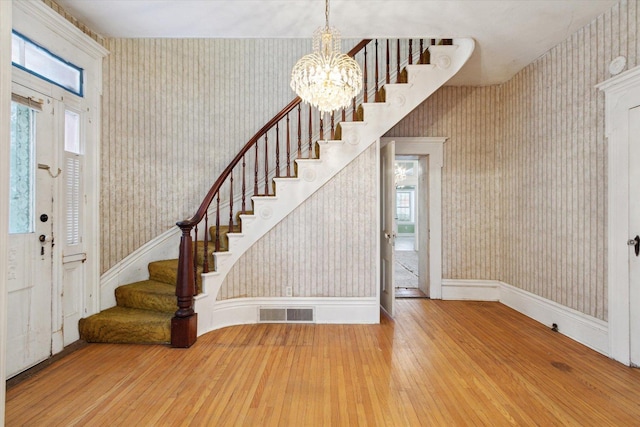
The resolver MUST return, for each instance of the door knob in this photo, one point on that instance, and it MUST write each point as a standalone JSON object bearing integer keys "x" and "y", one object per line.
{"x": 635, "y": 242}
{"x": 43, "y": 238}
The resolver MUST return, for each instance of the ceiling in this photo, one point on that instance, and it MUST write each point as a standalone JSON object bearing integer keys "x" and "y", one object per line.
{"x": 509, "y": 34}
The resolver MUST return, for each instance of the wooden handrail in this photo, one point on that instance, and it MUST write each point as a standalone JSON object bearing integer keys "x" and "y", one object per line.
{"x": 206, "y": 202}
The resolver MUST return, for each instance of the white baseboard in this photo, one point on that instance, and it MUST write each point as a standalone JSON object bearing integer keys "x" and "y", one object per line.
{"x": 242, "y": 311}
{"x": 585, "y": 329}
{"x": 474, "y": 290}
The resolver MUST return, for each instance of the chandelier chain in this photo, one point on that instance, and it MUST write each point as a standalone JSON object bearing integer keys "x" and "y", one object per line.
{"x": 326, "y": 13}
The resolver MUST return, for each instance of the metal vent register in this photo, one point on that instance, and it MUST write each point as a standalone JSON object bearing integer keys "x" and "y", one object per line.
{"x": 286, "y": 315}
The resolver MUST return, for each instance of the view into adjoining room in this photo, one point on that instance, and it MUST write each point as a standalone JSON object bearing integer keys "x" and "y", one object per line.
{"x": 407, "y": 246}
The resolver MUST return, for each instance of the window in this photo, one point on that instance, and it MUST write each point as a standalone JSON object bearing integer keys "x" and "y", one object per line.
{"x": 73, "y": 173}
{"x": 38, "y": 61}
{"x": 404, "y": 205}
{"x": 22, "y": 171}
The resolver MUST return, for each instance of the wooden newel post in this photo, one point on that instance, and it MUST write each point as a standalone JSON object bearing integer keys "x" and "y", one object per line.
{"x": 184, "y": 324}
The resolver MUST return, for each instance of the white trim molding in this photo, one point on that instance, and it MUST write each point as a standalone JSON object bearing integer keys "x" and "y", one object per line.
{"x": 621, "y": 93}
{"x": 243, "y": 311}
{"x": 473, "y": 290}
{"x": 585, "y": 329}
{"x": 5, "y": 144}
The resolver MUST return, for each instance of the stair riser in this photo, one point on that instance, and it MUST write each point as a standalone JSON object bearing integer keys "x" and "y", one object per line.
{"x": 122, "y": 325}
{"x": 164, "y": 274}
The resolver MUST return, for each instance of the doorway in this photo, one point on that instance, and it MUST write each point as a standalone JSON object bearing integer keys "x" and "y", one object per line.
{"x": 409, "y": 220}
{"x": 428, "y": 151}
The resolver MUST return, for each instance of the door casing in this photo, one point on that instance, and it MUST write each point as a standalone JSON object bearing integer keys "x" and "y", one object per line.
{"x": 622, "y": 93}
{"x": 432, "y": 149}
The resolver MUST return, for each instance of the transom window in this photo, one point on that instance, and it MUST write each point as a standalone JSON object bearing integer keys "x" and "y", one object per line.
{"x": 38, "y": 61}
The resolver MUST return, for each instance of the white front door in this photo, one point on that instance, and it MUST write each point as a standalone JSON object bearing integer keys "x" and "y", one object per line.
{"x": 634, "y": 227}
{"x": 30, "y": 231}
{"x": 388, "y": 224}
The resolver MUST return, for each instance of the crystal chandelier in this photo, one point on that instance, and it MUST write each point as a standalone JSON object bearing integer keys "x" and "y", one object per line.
{"x": 400, "y": 174}
{"x": 326, "y": 78}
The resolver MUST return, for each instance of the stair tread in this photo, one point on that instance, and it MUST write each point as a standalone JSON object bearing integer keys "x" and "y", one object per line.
{"x": 126, "y": 314}
{"x": 151, "y": 286}
{"x": 127, "y": 325}
{"x": 148, "y": 295}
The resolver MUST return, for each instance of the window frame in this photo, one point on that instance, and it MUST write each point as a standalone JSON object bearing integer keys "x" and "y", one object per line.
{"x": 80, "y": 70}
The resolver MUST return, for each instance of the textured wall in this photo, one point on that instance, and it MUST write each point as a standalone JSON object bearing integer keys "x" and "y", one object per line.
{"x": 470, "y": 214}
{"x": 553, "y": 166}
{"x": 524, "y": 180}
{"x": 174, "y": 114}
{"x": 324, "y": 248}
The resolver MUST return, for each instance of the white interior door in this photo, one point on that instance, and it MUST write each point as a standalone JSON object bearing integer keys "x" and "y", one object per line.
{"x": 634, "y": 227}
{"x": 423, "y": 225}
{"x": 31, "y": 232}
{"x": 388, "y": 232}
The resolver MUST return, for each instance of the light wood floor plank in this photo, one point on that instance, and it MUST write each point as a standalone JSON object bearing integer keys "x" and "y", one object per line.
{"x": 438, "y": 363}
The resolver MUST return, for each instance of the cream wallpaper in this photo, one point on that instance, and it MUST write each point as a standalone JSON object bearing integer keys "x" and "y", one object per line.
{"x": 470, "y": 211}
{"x": 324, "y": 248}
{"x": 524, "y": 180}
{"x": 174, "y": 114}
{"x": 553, "y": 165}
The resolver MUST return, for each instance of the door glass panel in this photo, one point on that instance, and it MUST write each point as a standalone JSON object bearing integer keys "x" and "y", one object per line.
{"x": 21, "y": 181}
{"x": 72, "y": 132}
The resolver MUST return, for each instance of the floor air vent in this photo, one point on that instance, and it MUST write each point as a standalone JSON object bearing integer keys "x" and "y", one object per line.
{"x": 286, "y": 315}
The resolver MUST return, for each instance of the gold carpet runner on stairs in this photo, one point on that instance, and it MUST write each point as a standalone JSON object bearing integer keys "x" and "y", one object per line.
{"x": 144, "y": 309}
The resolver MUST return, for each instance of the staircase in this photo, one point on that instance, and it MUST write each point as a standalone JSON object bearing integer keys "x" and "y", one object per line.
{"x": 145, "y": 309}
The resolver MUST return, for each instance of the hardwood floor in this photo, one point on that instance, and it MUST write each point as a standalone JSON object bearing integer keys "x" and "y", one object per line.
{"x": 439, "y": 363}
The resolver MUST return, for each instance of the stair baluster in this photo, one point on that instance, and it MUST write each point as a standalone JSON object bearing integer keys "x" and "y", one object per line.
{"x": 288, "y": 148}
{"x": 365, "y": 90}
{"x": 244, "y": 186}
{"x": 410, "y": 51}
{"x": 299, "y": 132}
{"x": 398, "y": 62}
{"x": 255, "y": 175}
{"x": 310, "y": 129}
{"x": 388, "y": 76}
{"x": 205, "y": 263}
{"x": 333, "y": 128}
{"x": 377, "y": 86}
{"x": 277, "y": 150}
{"x": 266, "y": 164}
{"x": 230, "y": 202}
